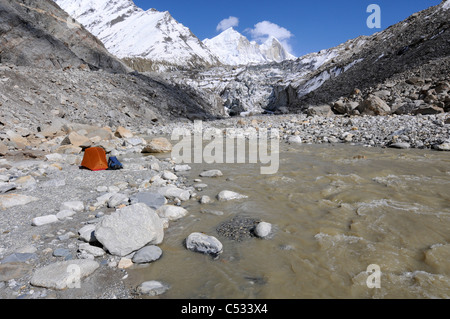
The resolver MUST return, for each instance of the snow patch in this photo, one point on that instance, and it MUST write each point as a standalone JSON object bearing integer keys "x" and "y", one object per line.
{"x": 446, "y": 5}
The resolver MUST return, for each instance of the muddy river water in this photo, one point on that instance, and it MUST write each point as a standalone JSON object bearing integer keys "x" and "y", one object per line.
{"x": 348, "y": 222}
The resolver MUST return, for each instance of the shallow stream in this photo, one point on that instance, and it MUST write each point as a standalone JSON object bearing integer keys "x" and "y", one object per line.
{"x": 335, "y": 210}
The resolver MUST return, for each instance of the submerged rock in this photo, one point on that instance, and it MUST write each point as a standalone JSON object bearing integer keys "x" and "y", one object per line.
{"x": 152, "y": 288}
{"x": 171, "y": 212}
{"x": 238, "y": 228}
{"x": 211, "y": 173}
{"x": 147, "y": 254}
{"x": 204, "y": 244}
{"x": 229, "y": 195}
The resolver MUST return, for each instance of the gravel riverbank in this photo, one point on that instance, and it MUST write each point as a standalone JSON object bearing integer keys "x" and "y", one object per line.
{"x": 50, "y": 209}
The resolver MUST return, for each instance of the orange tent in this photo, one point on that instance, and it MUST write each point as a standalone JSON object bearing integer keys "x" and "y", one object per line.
{"x": 95, "y": 159}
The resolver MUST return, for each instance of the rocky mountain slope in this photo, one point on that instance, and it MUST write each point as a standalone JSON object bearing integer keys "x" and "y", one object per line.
{"x": 53, "y": 71}
{"x": 404, "y": 62}
{"x": 232, "y": 48}
{"x": 418, "y": 47}
{"x": 150, "y": 40}
{"x": 40, "y": 34}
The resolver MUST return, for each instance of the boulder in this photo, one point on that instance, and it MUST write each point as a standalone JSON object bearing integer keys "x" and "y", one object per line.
{"x": 373, "y": 105}
{"x": 158, "y": 145}
{"x": 75, "y": 139}
{"x": 129, "y": 229}
{"x": 320, "y": 110}
{"x": 428, "y": 109}
{"x": 122, "y": 132}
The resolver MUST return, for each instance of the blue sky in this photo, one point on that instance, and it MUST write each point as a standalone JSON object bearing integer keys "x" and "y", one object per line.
{"x": 306, "y": 26}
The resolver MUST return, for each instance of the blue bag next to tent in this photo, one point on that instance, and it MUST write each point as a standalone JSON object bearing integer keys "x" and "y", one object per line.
{"x": 114, "y": 164}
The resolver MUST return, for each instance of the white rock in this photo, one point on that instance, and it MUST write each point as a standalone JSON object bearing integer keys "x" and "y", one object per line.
{"x": 44, "y": 220}
{"x": 229, "y": 195}
{"x": 172, "y": 212}
{"x": 64, "y": 214}
{"x": 263, "y": 229}
{"x": 152, "y": 288}
{"x": 443, "y": 147}
{"x": 87, "y": 233}
{"x": 102, "y": 189}
{"x": 172, "y": 192}
{"x": 203, "y": 243}
{"x": 117, "y": 200}
{"x": 93, "y": 250}
{"x": 205, "y": 199}
{"x": 129, "y": 229}
{"x": 76, "y": 206}
{"x": 182, "y": 168}
{"x": 295, "y": 139}
{"x": 211, "y": 173}
{"x": 102, "y": 200}
{"x": 169, "y": 176}
{"x": 113, "y": 189}
{"x": 54, "y": 157}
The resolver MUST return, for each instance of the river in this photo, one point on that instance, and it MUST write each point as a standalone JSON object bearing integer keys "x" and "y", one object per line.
{"x": 337, "y": 212}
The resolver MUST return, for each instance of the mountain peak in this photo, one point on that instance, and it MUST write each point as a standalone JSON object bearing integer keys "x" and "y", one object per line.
{"x": 233, "y": 48}
{"x": 129, "y": 32}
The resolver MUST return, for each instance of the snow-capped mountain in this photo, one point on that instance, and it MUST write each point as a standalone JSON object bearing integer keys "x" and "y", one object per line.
{"x": 232, "y": 48}
{"x": 128, "y": 31}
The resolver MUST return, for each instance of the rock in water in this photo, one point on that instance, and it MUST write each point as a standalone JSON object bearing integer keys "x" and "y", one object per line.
{"x": 204, "y": 244}
{"x": 129, "y": 229}
{"x": 172, "y": 212}
{"x": 152, "y": 200}
{"x": 229, "y": 195}
{"x": 211, "y": 173}
{"x": 400, "y": 145}
{"x": 147, "y": 254}
{"x": 263, "y": 230}
{"x": 238, "y": 228}
{"x": 62, "y": 275}
{"x": 152, "y": 288}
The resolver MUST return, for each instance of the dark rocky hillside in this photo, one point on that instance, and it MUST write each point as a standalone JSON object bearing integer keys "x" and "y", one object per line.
{"x": 52, "y": 70}
{"x": 406, "y": 61}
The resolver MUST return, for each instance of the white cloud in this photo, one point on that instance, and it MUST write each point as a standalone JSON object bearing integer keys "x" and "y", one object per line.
{"x": 265, "y": 29}
{"x": 227, "y": 23}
